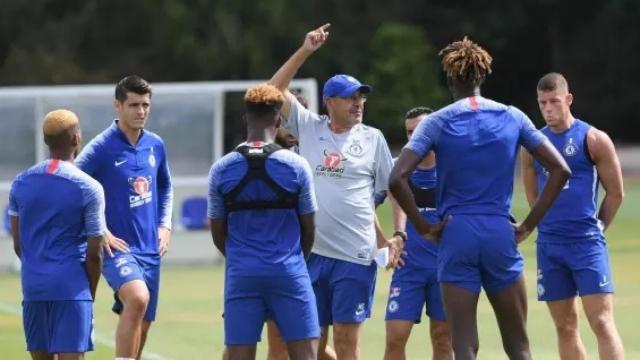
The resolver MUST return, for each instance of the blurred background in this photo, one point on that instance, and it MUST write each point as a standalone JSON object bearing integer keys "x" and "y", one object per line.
{"x": 202, "y": 54}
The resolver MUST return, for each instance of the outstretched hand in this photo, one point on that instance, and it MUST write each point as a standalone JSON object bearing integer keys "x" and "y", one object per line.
{"x": 315, "y": 38}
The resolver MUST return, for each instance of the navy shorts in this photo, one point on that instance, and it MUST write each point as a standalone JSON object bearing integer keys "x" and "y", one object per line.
{"x": 479, "y": 251}
{"x": 567, "y": 269}
{"x": 344, "y": 290}
{"x": 125, "y": 267}
{"x": 58, "y": 326}
{"x": 287, "y": 300}
{"x": 411, "y": 289}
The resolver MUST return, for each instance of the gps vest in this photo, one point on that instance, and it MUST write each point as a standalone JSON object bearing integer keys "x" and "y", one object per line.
{"x": 256, "y": 157}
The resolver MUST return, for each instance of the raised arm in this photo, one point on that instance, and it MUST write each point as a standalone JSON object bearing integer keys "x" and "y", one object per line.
{"x": 603, "y": 154}
{"x": 559, "y": 173}
{"x": 281, "y": 79}
{"x": 529, "y": 177}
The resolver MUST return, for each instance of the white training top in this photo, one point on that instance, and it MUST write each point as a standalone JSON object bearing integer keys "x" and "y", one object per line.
{"x": 348, "y": 169}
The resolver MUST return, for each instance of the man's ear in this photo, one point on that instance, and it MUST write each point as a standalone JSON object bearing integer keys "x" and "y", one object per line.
{"x": 569, "y": 99}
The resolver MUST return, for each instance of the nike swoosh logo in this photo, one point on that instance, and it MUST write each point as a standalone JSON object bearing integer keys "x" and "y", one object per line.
{"x": 603, "y": 284}
{"x": 118, "y": 163}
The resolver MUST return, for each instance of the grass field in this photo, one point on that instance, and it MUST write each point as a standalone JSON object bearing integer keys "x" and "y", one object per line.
{"x": 190, "y": 325}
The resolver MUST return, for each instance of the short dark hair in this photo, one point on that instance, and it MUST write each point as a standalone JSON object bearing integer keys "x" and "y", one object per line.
{"x": 417, "y": 111}
{"x": 552, "y": 81}
{"x": 134, "y": 84}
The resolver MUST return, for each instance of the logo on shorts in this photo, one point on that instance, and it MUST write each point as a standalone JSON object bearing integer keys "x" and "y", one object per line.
{"x": 394, "y": 292}
{"x": 539, "y": 274}
{"x": 604, "y": 281}
{"x": 360, "y": 309}
{"x": 570, "y": 149}
{"x": 393, "y": 306}
{"x": 540, "y": 290}
{"x": 125, "y": 270}
{"x": 121, "y": 261}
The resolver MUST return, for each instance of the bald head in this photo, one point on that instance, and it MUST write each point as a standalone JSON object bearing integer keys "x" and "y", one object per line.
{"x": 61, "y": 130}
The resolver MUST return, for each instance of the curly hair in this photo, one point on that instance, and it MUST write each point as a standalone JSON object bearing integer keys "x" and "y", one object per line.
{"x": 466, "y": 61}
{"x": 263, "y": 100}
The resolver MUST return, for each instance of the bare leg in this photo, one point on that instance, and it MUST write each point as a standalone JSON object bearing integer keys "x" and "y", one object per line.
{"x": 241, "y": 352}
{"x": 599, "y": 311}
{"x": 135, "y": 298}
{"x": 510, "y": 307}
{"x": 277, "y": 346}
{"x": 143, "y": 336}
{"x": 441, "y": 340}
{"x": 346, "y": 340}
{"x": 565, "y": 317}
{"x": 303, "y": 349}
{"x": 41, "y": 355}
{"x": 398, "y": 332}
{"x": 461, "y": 308}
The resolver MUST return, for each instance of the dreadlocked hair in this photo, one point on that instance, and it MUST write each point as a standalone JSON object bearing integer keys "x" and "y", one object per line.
{"x": 466, "y": 61}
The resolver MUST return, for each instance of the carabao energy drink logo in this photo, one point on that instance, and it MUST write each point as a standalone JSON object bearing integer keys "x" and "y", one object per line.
{"x": 332, "y": 164}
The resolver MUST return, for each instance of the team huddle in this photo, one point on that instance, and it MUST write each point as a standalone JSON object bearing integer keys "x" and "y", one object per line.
{"x": 292, "y": 209}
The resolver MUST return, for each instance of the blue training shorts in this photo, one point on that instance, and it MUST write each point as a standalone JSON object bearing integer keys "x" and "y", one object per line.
{"x": 344, "y": 290}
{"x": 567, "y": 269}
{"x": 411, "y": 288}
{"x": 58, "y": 326}
{"x": 287, "y": 300}
{"x": 479, "y": 251}
{"x": 125, "y": 267}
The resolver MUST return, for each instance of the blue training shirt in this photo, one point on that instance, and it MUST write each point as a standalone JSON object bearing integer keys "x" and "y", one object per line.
{"x": 476, "y": 142}
{"x": 421, "y": 252}
{"x": 137, "y": 185}
{"x": 262, "y": 242}
{"x": 573, "y": 215}
{"x": 58, "y": 208}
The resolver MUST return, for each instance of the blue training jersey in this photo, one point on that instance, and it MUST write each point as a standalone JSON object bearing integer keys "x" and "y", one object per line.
{"x": 421, "y": 252}
{"x": 58, "y": 208}
{"x": 476, "y": 143}
{"x": 262, "y": 242}
{"x": 573, "y": 215}
{"x": 137, "y": 185}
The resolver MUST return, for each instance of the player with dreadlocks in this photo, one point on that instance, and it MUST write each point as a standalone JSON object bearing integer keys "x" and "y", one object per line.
{"x": 476, "y": 143}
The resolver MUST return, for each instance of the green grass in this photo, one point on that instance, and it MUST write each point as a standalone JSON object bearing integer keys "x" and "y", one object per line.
{"x": 190, "y": 323}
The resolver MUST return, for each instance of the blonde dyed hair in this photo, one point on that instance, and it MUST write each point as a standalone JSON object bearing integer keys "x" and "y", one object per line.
{"x": 59, "y": 121}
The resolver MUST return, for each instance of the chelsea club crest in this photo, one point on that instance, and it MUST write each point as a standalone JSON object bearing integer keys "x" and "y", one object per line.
{"x": 570, "y": 149}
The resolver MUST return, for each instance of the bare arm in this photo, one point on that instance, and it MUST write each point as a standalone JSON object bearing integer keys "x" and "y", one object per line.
{"x": 219, "y": 233}
{"x": 529, "y": 177}
{"x": 281, "y": 79}
{"x": 93, "y": 263}
{"x": 559, "y": 173}
{"x": 603, "y": 154}
{"x": 399, "y": 188}
{"x": 15, "y": 234}
{"x": 307, "y": 233}
{"x": 399, "y": 217}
